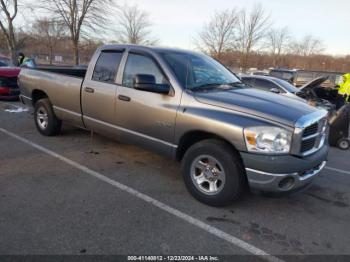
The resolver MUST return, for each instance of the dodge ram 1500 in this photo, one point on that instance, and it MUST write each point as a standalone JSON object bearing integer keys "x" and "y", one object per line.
{"x": 188, "y": 106}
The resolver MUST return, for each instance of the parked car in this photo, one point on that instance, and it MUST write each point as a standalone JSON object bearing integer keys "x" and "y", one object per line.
{"x": 272, "y": 84}
{"x": 9, "y": 89}
{"x": 305, "y": 93}
{"x": 191, "y": 108}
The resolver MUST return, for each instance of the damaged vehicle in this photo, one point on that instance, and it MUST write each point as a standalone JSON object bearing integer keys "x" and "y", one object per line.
{"x": 311, "y": 93}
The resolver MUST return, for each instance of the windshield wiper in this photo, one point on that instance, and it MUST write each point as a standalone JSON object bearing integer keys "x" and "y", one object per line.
{"x": 206, "y": 86}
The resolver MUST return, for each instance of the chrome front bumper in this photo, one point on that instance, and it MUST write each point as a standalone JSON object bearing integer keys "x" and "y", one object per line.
{"x": 271, "y": 182}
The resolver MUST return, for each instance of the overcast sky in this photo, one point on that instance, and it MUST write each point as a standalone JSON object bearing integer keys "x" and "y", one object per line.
{"x": 176, "y": 22}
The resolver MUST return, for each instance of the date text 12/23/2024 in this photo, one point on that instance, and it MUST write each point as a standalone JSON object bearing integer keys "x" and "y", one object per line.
{"x": 173, "y": 258}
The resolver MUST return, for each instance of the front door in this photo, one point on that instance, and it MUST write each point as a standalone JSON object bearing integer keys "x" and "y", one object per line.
{"x": 146, "y": 118}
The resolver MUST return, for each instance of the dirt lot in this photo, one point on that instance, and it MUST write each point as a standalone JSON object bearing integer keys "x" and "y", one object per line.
{"x": 62, "y": 195}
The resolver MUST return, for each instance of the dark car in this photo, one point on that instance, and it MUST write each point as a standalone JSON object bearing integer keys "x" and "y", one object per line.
{"x": 9, "y": 89}
{"x": 271, "y": 84}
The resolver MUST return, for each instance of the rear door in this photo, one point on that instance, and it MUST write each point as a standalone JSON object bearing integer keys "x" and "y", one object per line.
{"x": 99, "y": 90}
{"x": 146, "y": 118}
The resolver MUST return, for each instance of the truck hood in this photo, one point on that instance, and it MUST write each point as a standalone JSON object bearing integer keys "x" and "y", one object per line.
{"x": 258, "y": 103}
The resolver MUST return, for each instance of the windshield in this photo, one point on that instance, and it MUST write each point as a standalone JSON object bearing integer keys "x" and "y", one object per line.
{"x": 198, "y": 71}
{"x": 287, "y": 86}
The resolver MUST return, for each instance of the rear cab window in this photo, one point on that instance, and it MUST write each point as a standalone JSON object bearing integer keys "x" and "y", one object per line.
{"x": 106, "y": 67}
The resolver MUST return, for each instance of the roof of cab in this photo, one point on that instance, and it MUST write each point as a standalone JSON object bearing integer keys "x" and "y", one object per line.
{"x": 145, "y": 48}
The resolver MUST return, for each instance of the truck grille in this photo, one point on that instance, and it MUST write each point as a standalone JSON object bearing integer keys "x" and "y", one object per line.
{"x": 307, "y": 145}
{"x": 312, "y": 136}
{"x": 310, "y": 133}
{"x": 310, "y": 130}
{"x": 308, "y": 137}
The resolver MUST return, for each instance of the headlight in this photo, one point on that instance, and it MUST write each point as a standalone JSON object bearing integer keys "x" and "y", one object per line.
{"x": 269, "y": 140}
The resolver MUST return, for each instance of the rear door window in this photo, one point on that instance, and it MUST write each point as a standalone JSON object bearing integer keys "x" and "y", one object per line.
{"x": 106, "y": 67}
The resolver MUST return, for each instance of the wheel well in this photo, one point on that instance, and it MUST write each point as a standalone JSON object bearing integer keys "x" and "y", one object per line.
{"x": 191, "y": 138}
{"x": 37, "y": 95}
{"x": 194, "y": 137}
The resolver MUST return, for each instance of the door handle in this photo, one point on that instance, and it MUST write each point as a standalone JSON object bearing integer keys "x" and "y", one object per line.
{"x": 89, "y": 90}
{"x": 124, "y": 98}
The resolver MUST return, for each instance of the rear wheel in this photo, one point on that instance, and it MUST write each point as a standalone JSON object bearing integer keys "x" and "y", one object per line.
{"x": 213, "y": 173}
{"x": 343, "y": 143}
{"x": 45, "y": 119}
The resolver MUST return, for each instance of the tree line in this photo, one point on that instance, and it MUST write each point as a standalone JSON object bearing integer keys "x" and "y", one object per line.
{"x": 74, "y": 22}
{"x": 249, "y": 38}
{"x": 240, "y": 38}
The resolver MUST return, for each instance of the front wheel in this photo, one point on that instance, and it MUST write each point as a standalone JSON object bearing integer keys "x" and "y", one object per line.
{"x": 213, "y": 173}
{"x": 45, "y": 119}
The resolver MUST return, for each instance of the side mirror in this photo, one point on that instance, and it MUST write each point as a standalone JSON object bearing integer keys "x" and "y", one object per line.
{"x": 275, "y": 90}
{"x": 148, "y": 83}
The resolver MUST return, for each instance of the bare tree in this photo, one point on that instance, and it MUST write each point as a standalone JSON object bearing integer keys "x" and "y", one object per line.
{"x": 251, "y": 31}
{"x": 307, "y": 46}
{"x": 79, "y": 16}
{"x": 277, "y": 41}
{"x": 48, "y": 32}
{"x": 219, "y": 34}
{"x": 134, "y": 26}
{"x": 3, "y": 43}
{"x": 8, "y": 12}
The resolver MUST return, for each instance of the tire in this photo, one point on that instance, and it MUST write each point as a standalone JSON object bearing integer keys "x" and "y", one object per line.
{"x": 343, "y": 144}
{"x": 210, "y": 162}
{"x": 45, "y": 119}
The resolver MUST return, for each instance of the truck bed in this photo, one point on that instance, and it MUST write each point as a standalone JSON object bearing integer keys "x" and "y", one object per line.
{"x": 61, "y": 85}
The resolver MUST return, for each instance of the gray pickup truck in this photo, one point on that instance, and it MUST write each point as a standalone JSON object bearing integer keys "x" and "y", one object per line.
{"x": 229, "y": 137}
